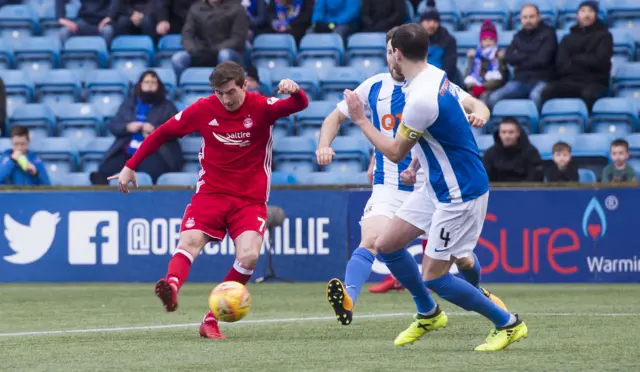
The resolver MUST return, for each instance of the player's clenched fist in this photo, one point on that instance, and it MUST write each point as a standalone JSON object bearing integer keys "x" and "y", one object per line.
{"x": 287, "y": 86}
{"x": 325, "y": 155}
{"x": 355, "y": 106}
{"x": 408, "y": 176}
{"x": 125, "y": 177}
{"x": 476, "y": 121}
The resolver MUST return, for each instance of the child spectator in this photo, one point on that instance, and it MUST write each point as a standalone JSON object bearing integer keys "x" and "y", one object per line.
{"x": 619, "y": 171}
{"x": 18, "y": 166}
{"x": 486, "y": 70}
{"x": 563, "y": 169}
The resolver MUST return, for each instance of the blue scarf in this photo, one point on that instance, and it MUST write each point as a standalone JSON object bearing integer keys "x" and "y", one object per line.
{"x": 286, "y": 13}
{"x": 142, "y": 110}
{"x": 493, "y": 69}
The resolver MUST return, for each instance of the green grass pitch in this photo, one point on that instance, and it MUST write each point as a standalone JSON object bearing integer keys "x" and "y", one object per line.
{"x": 571, "y": 328}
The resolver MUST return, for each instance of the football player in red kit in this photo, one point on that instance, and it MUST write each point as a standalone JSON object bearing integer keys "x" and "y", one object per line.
{"x": 234, "y": 180}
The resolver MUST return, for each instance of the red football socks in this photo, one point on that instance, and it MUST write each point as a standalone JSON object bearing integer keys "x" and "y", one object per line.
{"x": 179, "y": 267}
{"x": 239, "y": 273}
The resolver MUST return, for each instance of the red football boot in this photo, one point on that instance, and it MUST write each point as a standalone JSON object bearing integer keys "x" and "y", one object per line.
{"x": 387, "y": 284}
{"x": 167, "y": 292}
{"x": 209, "y": 328}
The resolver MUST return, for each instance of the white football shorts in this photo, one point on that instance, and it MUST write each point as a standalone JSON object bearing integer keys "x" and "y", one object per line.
{"x": 384, "y": 201}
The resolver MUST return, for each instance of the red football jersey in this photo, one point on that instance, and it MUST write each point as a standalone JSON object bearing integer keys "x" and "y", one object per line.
{"x": 235, "y": 156}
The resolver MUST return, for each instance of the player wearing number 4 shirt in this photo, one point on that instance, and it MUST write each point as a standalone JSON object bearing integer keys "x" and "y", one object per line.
{"x": 233, "y": 184}
{"x": 451, "y": 205}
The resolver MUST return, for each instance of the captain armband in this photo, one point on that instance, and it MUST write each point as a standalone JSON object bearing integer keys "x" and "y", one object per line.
{"x": 408, "y": 133}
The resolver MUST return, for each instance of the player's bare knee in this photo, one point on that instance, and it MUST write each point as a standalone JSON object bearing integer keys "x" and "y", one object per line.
{"x": 465, "y": 263}
{"x": 248, "y": 247}
{"x": 192, "y": 242}
{"x": 368, "y": 241}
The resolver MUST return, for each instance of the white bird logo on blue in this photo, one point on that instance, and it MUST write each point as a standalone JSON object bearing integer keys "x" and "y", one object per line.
{"x": 30, "y": 242}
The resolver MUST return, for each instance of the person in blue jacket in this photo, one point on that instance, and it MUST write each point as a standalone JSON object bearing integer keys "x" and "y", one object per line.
{"x": 20, "y": 167}
{"x": 339, "y": 16}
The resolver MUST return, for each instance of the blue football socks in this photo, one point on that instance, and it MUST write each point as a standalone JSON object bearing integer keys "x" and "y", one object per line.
{"x": 358, "y": 271}
{"x": 468, "y": 297}
{"x": 472, "y": 276}
{"x": 405, "y": 269}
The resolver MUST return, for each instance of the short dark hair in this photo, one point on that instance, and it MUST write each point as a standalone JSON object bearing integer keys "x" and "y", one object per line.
{"x": 412, "y": 40}
{"x": 390, "y": 34}
{"x": 510, "y": 120}
{"x": 561, "y": 146}
{"x": 226, "y": 72}
{"x": 620, "y": 142}
{"x": 19, "y": 131}
{"x": 160, "y": 93}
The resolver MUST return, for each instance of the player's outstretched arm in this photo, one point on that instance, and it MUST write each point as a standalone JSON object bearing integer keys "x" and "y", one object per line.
{"x": 281, "y": 108}
{"x": 478, "y": 113}
{"x": 328, "y": 132}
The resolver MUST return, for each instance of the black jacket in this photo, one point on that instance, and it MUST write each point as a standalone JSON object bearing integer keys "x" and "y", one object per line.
{"x": 91, "y": 11}
{"x": 382, "y": 15}
{"x": 584, "y": 55}
{"x": 211, "y": 27}
{"x": 521, "y": 163}
{"x": 443, "y": 52}
{"x": 158, "y": 114}
{"x": 570, "y": 174}
{"x": 533, "y": 54}
{"x": 303, "y": 19}
{"x": 127, "y": 7}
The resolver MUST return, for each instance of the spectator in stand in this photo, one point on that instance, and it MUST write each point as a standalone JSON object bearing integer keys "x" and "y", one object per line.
{"x": 171, "y": 15}
{"x": 339, "y": 16}
{"x": 253, "y": 80}
{"x": 138, "y": 116}
{"x": 513, "y": 158}
{"x": 619, "y": 171}
{"x": 94, "y": 18}
{"x": 215, "y": 31}
{"x": 486, "y": 70}
{"x": 291, "y": 16}
{"x": 256, "y": 10}
{"x": 20, "y": 167}
{"x": 563, "y": 169}
{"x": 382, "y": 15}
{"x": 583, "y": 63}
{"x": 442, "y": 46}
{"x": 532, "y": 53}
{"x": 136, "y": 17}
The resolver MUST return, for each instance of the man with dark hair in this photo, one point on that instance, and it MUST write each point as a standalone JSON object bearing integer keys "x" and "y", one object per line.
{"x": 234, "y": 182}
{"x": 513, "y": 158}
{"x": 442, "y": 46}
{"x": 20, "y": 167}
{"x": 450, "y": 207}
{"x": 619, "y": 170}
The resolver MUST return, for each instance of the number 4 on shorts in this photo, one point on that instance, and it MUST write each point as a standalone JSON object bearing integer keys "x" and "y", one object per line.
{"x": 445, "y": 237}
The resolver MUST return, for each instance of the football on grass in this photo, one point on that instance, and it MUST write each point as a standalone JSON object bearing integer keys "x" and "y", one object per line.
{"x": 230, "y": 301}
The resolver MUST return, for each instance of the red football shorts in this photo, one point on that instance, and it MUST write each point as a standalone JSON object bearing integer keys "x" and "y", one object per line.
{"x": 217, "y": 214}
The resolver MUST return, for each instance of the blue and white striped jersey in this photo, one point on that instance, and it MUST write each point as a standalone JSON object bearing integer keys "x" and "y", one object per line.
{"x": 447, "y": 147}
{"x": 384, "y": 102}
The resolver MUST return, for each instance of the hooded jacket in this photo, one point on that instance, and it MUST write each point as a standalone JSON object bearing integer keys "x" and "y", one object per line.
{"x": 212, "y": 27}
{"x": 442, "y": 52}
{"x": 533, "y": 54}
{"x": 12, "y": 174}
{"x": 520, "y": 163}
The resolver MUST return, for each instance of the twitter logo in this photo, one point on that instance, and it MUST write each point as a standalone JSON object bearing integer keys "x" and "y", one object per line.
{"x": 30, "y": 242}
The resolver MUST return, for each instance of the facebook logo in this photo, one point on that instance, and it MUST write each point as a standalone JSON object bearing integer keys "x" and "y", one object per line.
{"x": 93, "y": 234}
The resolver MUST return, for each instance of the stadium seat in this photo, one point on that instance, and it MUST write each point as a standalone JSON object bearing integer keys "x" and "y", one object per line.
{"x": 80, "y": 122}
{"x": 75, "y": 179}
{"x": 626, "y": 82}
{"x": 274, "y": 50}
{"x": 449, "y": 13}
{"x": 58, "y": 86}
{"x": 5, "y": 144}
{"x": 544, "y": 142}
{"x": 547, "y": 10}
{"x": 131, "y": 51}
{"x": 475, "y": 12}
{"x": 18, "y": 21}
{"x": 39, "y": 118}
{"x": 338, "y": 79}
{"x": 306, "y": 78}
{"x": 168, "y": 77}
{"x": 190, "y": 149}
{"x": 92, "y": 154}
{"x": 143, "y": 179}
{"x": 178, "y": 179}
{"x": 360, "y": 178}
{"x": 505, "y": 38}
{"x": 587, "y": 176}
{"x": 564, "y": 115}
{"x": 623, "y": 44}
{"x": 309, "y": 121}
{"x": 352, "y": 155}
{"x": 264, "y": 75}
{"x": 37, "y": 55}
{"x": 321, "y": 178}
{"x": 367, "y": 51}
{"x": 484, "y": 142}
{"x": 591, "y": 151}
{"x": 321, "y": 51}
{"x": 106, "y": 89}
{"x": 634, "y": 144}
{"x": 19, "y": 86}
{"x": 294, "y": 155}
{"x": 522, "y": 109}
{"x": 84, "y": 53}
{"x": 59, "y": 154}
{"x": 6, "y": 55}
{"x": 282, "y": 178}
{"x": 560, "y": 34}
{"x": 616, "y": 116}
{"x": 194, "y": 83}
{"x": 623, "y": 11}
{"x": 167, "y": 47}
{"x": 49, "y": 25}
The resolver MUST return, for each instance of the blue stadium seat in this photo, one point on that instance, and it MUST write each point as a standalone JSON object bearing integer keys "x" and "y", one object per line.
{"x": 560, "y": 34}
{"x": 321, "y": 178}
{"x": 85, "y": 53}
{"x": 19, "y": 86}
{"x": 367, "y": 51}
{"x": 321, "y": 51}
{"x": 59, "y": 154}
{"x": 352, "y": 155}
{"x": 167, "y": 47}
{"x": 18, "y": 21}
{"x": 5, "y": 144}
{"x": 359, "y": 178}
{"x": 475, "y": 12}
{"x": 58, "y": 86}
{"x": 449, "y": 13}
{"x": 634, "y": 144}
{"x": 132, "y": 51}
{"x": 294, "y": 155}
{"x": 306, "y": 78}
{"x": 587, "y": 176}
{"x": 274, "y": 50}
{"x": 309, "y": 121}
{"x": 338, "y": 79}
{"x": 522, "y": 109}
{"x": 178, "y": 179}
{"x": 547, "y": 10}
{"x": 75, "y": 179}
{"x": 283, "y": 178}
{"x": 37, "y": 55}
{"x": 592, "y": 144}
{"x": 623, "y": 11}
{"x": 264, "y": 75}
{"x": 626, "y": 82}
{"x": 6, "y": 55}
{"x": 80, "y": 122}
{"x": 194, "y": 83}
{"x": 564, "y": 115}
{"x": 168, "y": 77}
{"x": 567, "y": 10}
{"x": 106, "y": 89}
{"x": 190, "y": 149}
{"x": 92, "y": 154}
{"x": 544, "y": 142}
{"x": 484, "y": 142}
{"x": 624, "y": 46}
{"x": 505, "y": 38}
{"x": 616, "y": 116}
{"x": 143, "y": 179}
{"x": 39, "y": 118}
{"x": 49, "y": 25}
